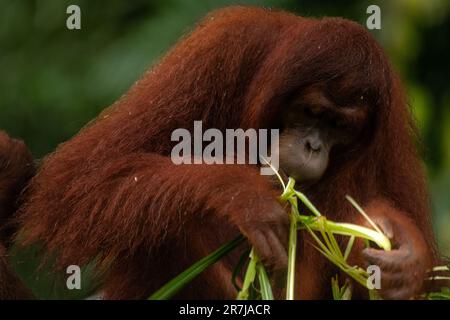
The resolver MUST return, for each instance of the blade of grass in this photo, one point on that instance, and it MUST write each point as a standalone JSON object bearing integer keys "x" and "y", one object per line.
{"x": 274, "y": 170}
{"x": 292, "y": 252}
{"x": 349, "y": 247}
{"x": 373, "y": 295}
{"x": 441, "y": 268}
{"x": 237, "y": 270}
{"x": 341, "y": 293}
{"x": 336, "y": 247}
{"x": 346, "y": 291}
{"x": 438, "y": 278}
{"x": 349, "y": 229}
{"x": 307, "y": 203}
{"x": 249, "y": 278}
{"x": 362, "y": 212}
{"x": 266, "y": 288}
{"x": 177, "y": 283}
{"x": 328, "y": 237}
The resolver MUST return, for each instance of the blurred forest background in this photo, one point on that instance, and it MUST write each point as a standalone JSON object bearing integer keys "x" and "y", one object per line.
{"x": 56, "y": 80}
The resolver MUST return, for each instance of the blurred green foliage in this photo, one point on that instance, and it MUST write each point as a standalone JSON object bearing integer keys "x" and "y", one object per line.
{"x": 55, "y": 80}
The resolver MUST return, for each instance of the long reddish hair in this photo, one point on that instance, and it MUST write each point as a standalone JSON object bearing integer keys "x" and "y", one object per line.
{"x": 235, "y": 70}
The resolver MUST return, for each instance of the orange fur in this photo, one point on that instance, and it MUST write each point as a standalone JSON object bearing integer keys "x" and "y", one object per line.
{"x": 16, "y": 168}
{"x": 111, "y": 193}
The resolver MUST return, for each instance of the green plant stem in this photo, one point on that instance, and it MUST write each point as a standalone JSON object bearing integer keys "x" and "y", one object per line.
{"x": 347, "y": 229}
{"x": 441, "y": 268}
{"x": 177, "y": 283}
{"x": 292, "y": 252}
{"x": 307, "y": 203}
{"x": 249, "y": 277}
{"x": 349, "y": 247}
{"x": 266, "y": 289}
{"x": 329, "y": 247}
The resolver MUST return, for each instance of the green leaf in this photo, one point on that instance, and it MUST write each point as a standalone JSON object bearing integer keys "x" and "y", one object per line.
{"x": 177, "y": 283}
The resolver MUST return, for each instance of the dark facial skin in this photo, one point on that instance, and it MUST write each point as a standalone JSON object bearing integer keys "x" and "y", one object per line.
{"x": 313, "y": 127}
